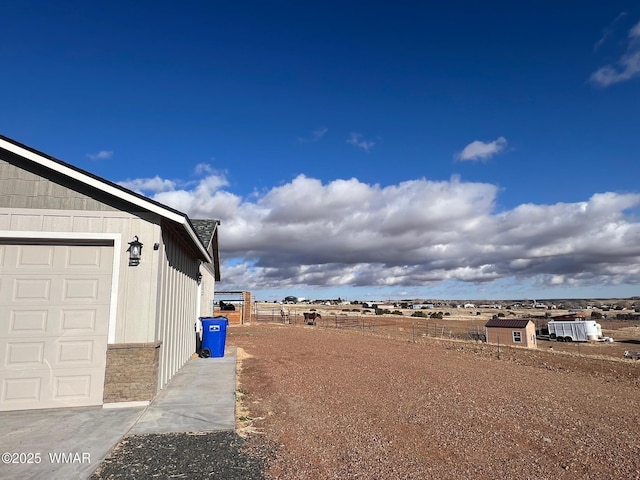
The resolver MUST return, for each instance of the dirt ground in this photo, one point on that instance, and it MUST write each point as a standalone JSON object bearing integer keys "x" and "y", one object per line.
{"x": 349, "y": 404}
{"x": 458, "y": 323}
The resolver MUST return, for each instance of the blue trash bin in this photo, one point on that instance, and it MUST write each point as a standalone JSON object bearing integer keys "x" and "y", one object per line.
{"x": 214, "y": 336}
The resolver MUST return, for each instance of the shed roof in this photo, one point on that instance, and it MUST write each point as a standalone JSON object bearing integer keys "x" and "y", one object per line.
{"x": 508, "y": 323}
{"x": 182, "y": 222}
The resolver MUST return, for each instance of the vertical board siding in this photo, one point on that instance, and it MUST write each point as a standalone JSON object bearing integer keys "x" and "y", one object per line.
{"x": 177, "y": 308}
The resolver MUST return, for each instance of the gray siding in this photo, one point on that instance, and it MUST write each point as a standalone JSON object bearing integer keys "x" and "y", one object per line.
{"x": 177, "y": 307}
{"x": 20, "y": 188}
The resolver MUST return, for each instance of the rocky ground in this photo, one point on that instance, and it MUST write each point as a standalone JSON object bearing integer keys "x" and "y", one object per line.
{"x": 320, "y": 403}
{"x": 342, "y": 405}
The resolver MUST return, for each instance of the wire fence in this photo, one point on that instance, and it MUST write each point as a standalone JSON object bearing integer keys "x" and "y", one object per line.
{"x": 397, "y": 327}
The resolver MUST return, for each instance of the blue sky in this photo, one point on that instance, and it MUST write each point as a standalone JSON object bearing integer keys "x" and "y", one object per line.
{"x": 357, "y": 149}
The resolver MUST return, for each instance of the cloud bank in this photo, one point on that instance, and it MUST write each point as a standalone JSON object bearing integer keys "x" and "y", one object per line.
{"x": 415, "y": 233}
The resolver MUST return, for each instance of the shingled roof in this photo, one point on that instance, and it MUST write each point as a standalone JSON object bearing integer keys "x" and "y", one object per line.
{"x": 205, "y": 230}
{"x": 508, "y": 322}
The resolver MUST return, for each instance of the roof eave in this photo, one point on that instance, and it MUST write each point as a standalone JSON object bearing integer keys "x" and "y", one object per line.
{"x": 107, "y": 187}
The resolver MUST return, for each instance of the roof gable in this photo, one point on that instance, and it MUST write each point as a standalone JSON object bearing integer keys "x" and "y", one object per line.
{"x": 207, "y": 231}
{"x": 109, "y": 188}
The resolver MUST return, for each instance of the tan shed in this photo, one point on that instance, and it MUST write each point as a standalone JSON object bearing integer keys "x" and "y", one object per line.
{"x": 514, "y": 332}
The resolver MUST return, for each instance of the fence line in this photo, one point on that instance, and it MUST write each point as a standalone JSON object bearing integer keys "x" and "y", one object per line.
{"x": 401, "y": 328}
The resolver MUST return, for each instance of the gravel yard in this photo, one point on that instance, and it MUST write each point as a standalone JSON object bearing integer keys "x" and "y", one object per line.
{"x": 337, "y": 404}
{"x": 215, "y": 455}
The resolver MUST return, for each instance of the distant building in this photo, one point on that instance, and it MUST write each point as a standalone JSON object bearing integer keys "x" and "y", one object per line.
{"x": 513, "y": 331}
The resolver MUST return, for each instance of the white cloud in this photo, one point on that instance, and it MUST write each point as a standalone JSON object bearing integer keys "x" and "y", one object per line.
{"x": 626, "y": 68}
{"x": 148, "y": 185}
{"x": 415, "y": 233}
{"x": 101, "y": 155}
{"x": 358, "y": 140}
{"x": 478, "y": 150}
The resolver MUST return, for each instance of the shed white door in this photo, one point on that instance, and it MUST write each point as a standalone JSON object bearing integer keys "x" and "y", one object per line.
{"x": 54, "y": 320}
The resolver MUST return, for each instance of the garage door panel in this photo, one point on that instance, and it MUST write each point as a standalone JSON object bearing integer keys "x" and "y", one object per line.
{"x": 30, "y": 290}
{"x": 46, "y": 259}
{"x": 79, "y": 321}
{"x": 81, "y": 352}
{"x": 26, "y": 322}
{"x": 85, "y": 258}
{"x": 44, "y": 355}
{"x": 78, "y": 389}
{"x": 38, "y": 257}
{"x": 24, "y": 355}
{"x": 72, "y": 386}
{"x": 26, "y": 390}
{"x": 75, "y": 289}
{"x": 53, "y": 346}
{"x": 20, "y": 390}
{"x": 55, "y": 289}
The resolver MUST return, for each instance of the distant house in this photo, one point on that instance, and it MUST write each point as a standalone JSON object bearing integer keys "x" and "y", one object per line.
{"x": 513, "y": 331}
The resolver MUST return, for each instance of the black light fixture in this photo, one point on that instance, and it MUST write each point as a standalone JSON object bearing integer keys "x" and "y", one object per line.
{"x": 135, "y": 252}
{"x": 199, "y": 278}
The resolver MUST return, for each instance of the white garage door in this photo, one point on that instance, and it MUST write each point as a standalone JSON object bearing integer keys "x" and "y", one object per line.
{"x": 54, "y": 320}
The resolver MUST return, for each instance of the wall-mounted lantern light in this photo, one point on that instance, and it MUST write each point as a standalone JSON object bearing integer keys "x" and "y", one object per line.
{"x": 199, "y": 278}
{"x": 135, "y": 252}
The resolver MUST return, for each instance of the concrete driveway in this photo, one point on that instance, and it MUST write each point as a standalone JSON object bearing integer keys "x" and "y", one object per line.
{"x": 70, "y": 443}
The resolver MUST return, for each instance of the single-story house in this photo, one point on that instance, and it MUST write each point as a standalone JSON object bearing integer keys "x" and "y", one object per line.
{"x": 100, "y": 286}
{"x": 513, "y": 331}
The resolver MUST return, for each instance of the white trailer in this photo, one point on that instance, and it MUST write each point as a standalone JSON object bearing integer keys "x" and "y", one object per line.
{"x": 574, "y": 330}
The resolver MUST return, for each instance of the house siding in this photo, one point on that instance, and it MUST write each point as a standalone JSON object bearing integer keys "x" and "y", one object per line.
{"x": 177, "y": 307}
{"x": 21, "y": 188}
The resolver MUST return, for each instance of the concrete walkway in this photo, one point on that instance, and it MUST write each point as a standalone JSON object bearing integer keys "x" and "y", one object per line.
{"x": 199, "y": 398}
{"x": 70, "y": 443}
